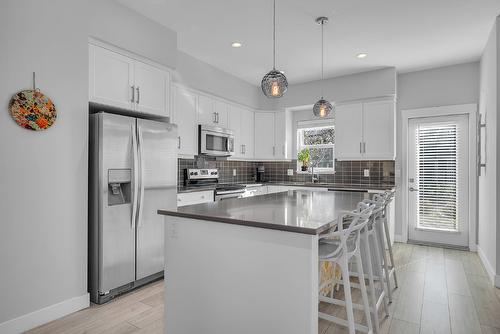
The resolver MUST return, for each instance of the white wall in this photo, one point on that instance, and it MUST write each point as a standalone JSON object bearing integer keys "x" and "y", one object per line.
{"x": 489, "y": 243}
{"x": 122, "y": 27}
{"x": 197, "y": 74}
{"x": 43, "y": 175}
{"x": 442, "y": 86}
{"x": 350, "y": 87}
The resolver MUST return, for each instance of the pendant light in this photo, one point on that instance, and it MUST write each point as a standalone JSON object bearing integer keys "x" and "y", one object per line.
{"x": 274, "y": 83}
{"x": 322, "y": 108}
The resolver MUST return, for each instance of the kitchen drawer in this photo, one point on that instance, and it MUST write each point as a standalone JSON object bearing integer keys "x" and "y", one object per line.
{"x": 195, "y": 197}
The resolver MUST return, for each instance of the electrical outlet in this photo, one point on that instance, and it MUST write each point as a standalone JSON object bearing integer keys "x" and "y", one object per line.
{"x": 289, "y": 172}
{"x": 234, "y": 172}
{"x": 366, "y": 173}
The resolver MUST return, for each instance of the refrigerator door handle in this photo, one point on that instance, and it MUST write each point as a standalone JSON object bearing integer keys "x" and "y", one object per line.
{"x": 136, "y": 176}
{"x": 141, "y": 176}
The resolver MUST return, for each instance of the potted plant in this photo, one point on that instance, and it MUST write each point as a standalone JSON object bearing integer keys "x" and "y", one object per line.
{"x": 304, "y": 156}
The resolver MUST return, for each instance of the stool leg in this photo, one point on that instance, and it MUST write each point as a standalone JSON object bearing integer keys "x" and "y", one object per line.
{"x": 344, "y": 265}
{"x": 381, "y": 248}
{"x": 362, "y": 284}
{"x": 378, "y": 265}
{"x": 389, "y": 245}
{"x": 367, "y": 255}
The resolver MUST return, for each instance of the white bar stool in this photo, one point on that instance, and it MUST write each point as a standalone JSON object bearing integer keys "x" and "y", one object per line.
{"x": 371, "y": 242}
{"x": 381, "y": 229}
{"x": 338, "y": 247}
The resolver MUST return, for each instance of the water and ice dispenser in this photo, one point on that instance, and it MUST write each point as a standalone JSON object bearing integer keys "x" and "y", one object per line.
{"x": 119, "y": 186}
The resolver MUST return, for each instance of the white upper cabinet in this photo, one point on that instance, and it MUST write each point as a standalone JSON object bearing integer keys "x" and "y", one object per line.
{"x": 184, "y": 105}
{"x": 365, "y": 131}
{"x": 241, "y": 121}
{"x": 120, "y": 81}
{"x": 280, "y": 142}
{"x": 152, "y": 88}
{"x": 264, "y": 135}
{"x": 378, "y": 130}
{"x": 212, "y": 111}
{"x": 111, "y": 78}
{"x": 349, "y": 131}
{"x": 221, "y": 111}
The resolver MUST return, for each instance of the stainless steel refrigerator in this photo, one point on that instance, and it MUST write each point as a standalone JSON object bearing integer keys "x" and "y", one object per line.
{"x": 132, "y": 174}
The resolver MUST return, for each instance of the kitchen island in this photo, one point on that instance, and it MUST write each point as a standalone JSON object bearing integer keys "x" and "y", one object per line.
{"x": 248, "y": 265}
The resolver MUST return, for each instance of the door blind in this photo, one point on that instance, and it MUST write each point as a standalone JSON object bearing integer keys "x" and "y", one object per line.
{"x": 437, "y": 176}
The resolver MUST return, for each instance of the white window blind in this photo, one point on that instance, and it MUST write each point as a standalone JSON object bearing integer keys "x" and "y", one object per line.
{"x": 438, "y": 172}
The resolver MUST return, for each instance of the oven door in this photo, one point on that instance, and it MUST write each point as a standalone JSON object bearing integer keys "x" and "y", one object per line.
{"x": 216, "y": 142}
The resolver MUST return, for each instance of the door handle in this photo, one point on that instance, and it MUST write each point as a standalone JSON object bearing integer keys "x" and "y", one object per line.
{"x": 138, "y": 95}
{"x": 141, "y": 166}
{"x": 136, "y": 176}
{"x": 133, "y": 94}
{"x": 413, "y": 189}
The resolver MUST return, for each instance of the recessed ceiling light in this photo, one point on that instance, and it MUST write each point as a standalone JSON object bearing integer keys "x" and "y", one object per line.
{"x": 362, "y": 55}
{"x": 236, "y": 44}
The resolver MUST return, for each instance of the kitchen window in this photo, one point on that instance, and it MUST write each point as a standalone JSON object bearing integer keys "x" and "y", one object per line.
{"x": 319, "y": 138}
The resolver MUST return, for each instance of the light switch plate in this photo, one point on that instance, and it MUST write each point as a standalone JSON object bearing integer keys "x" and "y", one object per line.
{"x": 366, "y": 173}
{"x": 234, "y": 172}
{"x": 289, "y": 172}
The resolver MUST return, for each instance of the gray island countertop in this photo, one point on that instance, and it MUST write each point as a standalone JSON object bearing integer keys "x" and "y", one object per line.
{"x": 301, "y": 211}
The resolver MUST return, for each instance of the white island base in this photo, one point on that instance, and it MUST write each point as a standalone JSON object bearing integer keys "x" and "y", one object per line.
{"x": 232, "y": 279}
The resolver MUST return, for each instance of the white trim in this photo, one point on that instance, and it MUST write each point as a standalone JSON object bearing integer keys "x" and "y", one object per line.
{"x": 495, "y": 279}
{"x": 399, "y": 238}
{"x": 406, "y": 115}
{"x": 45, "y": 315}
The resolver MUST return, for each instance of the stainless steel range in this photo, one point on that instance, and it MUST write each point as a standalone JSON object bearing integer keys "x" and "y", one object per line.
{"x": 210, "y": 177}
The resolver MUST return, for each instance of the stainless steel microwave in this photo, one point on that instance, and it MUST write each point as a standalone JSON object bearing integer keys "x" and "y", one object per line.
{"x": 215, "y": 141}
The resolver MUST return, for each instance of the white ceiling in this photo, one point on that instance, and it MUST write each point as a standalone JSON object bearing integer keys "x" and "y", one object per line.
{"x": 407, "y": 34}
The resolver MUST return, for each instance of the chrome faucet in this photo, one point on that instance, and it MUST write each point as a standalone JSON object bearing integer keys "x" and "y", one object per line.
{"x": 314, "y": 176}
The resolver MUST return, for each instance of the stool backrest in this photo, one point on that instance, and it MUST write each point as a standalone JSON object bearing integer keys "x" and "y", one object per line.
{"x": 355, "y": 222}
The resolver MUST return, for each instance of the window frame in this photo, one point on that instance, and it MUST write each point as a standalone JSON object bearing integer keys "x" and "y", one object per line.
{"x": 301, "y": 146}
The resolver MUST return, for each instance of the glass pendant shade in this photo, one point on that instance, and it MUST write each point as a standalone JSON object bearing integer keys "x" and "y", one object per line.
{"x": 322, "y": 108}
{"x": 274, "y": 84}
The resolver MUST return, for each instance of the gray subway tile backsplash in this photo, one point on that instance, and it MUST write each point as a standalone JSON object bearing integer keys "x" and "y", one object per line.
{"x": 346, "y": 172}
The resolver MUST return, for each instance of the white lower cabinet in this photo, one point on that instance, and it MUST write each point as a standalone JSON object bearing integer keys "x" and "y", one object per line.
{"x": 195, "y": 197}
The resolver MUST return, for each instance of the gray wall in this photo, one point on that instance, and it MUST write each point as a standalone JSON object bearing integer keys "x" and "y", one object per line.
{"x": 488, "y": 188}
{"x": 350, "y": 87}
{"x": 442, "y": 86}
{"x": 43, "y": 175}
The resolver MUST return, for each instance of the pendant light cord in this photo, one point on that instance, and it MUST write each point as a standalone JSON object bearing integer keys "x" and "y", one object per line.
{"x": 274, "y": 34}
{"x": 322, "y": 56}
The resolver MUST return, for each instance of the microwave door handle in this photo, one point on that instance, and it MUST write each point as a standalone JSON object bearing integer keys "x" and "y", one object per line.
{"x": 135, "y": 175}
{"x": 141, "y": 174}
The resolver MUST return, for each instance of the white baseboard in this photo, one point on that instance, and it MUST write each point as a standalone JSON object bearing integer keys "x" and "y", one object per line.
{"x": 495, "y": 279}
{"x": 44, "y": 315}
{"x": 399, "y": 238}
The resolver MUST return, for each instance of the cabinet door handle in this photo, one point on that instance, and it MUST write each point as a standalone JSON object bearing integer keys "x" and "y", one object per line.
{"x": 364, "y": 147}
{"x": 274, "y": 151}
{"x": 133, "y": 94}
{"x": 215, "y": 117}
{"x": 138, "y": 94}
{"x": 283, "y": 149}
{"x": 179, "y": 142}
{"x": 360, "y": 147}
{"x": 244, "y": 149}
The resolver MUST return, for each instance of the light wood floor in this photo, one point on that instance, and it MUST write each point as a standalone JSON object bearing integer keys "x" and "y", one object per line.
{"x": 441, "y": 291}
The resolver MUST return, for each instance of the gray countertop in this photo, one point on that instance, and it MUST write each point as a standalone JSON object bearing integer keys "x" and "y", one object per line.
{"x": 335, "y": 186}
{"x": 301, "y": 211}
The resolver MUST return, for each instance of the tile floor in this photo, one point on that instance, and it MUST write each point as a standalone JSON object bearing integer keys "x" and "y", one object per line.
{"x": 440, "y": 291}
